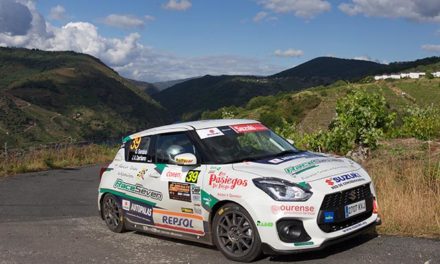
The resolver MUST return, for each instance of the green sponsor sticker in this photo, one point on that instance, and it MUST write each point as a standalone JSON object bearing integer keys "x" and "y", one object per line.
{"x": 299, "y": 244}
{"x": 297, "y": 169}
{"x": 264, "y": 224}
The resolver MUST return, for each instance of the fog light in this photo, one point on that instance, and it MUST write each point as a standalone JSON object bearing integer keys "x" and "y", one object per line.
{"x": 290, "y": 230}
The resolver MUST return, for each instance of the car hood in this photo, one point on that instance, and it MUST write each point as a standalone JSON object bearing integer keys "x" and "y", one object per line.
{"x": 299, "y": 167}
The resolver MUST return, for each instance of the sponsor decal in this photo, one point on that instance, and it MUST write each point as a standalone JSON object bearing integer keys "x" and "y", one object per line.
{"x": 340, "y": 181}
{"x": 300, "y": 244}
{"x": 246, "y": 128}
{"x": 192, "y": 176}
{"x": 126, "y": 204}
{"x": 173, "y": 174}
{"x": 209, "y": 132}
{"x": 264, "y": 224}
{"x": 222, "y": 181}
{"x": 208, "y": 201}
{"x": 135, "y": 143}
{"x": 182, "y": 222}
{"x": 300, "y": 155}
{"x": 180, "y": 191}
{"x": 228, "y": 195}
{"x": 124, "y": 174}
{"x": 140, "y": 175}
{"x": 137, "y": 189}
{"x": 198, "y": 209}
{"x": 184, "y": 161}
{"x": 329, "y": 217}
{"x": 293, "y": 209}
{"x": 195, "y": 193}
{"x": 138, "y": 212}
{"x": 187, "y": 210}
{"x": 160, "y": 167}
{"x": 214, "y": 169}
{"x": 353, "y": 227}
{"x": 297, "y": 169}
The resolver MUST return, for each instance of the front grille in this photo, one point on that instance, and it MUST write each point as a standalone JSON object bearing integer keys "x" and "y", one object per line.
{"x": 336, "y": 202}
{"x": 339, "y": 199}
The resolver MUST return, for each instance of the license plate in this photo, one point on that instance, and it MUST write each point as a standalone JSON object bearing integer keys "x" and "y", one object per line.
{"x": 355, "y": 208}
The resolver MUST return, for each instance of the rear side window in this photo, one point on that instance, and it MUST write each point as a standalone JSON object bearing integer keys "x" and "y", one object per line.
{"x": 170, "y": 145}
{"x": 137, "y": 150}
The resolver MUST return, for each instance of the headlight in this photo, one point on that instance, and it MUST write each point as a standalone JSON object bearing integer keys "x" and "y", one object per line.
{"x": 282, "y": 190}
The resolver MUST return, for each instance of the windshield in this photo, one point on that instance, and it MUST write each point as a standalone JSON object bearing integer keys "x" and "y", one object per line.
{"x": 247, "y": 142}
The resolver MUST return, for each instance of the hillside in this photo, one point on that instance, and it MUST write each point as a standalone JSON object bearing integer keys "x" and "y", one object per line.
{"x": 66, "y": 96}
{"x": 187, "y": 100}
{"x": 313, "y": 110}
{"x": 146, "y": 87}
{"x": 331, "y": 69}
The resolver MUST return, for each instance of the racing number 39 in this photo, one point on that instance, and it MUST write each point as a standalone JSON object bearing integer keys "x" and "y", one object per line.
{"x": 192, "y": 176}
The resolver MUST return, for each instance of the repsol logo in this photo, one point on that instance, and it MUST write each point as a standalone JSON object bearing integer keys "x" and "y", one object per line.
{"x": 177, "y": 221}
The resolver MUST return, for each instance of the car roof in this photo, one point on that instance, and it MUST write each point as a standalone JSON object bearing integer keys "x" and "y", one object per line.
{"x": 185, "y": 126}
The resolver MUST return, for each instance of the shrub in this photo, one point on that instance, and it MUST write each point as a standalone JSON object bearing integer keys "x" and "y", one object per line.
{"x": 361, "y": 120}
{"x": 421, "y": 123}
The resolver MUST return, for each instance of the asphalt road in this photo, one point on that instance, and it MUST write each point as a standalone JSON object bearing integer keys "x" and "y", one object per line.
{"x": 51, "y": 217}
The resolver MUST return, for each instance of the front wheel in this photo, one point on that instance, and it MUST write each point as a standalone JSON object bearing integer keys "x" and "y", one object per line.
{"x": 112, "y": 212}
{"x": 235, "y": 234}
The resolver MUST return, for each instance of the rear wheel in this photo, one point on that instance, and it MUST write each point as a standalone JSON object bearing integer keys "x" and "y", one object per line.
{"x": 235, "y": 234}
{"x": 112, "y": 213}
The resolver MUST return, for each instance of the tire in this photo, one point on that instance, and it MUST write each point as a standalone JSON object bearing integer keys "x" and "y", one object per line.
{"x": 235, "y": 233}
{"x": 113, "y": 214}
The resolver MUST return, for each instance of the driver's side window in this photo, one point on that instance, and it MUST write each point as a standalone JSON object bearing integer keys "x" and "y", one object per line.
{"x": 170, "y": 145}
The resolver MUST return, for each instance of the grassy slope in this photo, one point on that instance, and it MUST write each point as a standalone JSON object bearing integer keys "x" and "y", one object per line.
{"x": 55, "y": 96}
{"x": 314, "y": 109}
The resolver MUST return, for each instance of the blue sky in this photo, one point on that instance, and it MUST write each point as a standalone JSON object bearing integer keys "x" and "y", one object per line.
{"x": 156, "y": 40}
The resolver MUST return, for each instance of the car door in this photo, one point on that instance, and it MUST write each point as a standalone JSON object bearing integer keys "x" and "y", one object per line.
{"x": 180, "y": 210}
{"x": 138, "y": 194}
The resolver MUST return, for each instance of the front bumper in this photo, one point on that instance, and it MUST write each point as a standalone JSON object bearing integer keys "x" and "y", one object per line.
{"x": 269, "y": 250}
{"x": 319, "y": 232}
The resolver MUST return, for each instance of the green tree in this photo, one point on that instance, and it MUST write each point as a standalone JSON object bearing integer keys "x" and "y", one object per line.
{"x": 361, "y": 120}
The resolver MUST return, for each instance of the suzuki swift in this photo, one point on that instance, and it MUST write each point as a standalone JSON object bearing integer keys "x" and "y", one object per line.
{"x": 237, "y": 185}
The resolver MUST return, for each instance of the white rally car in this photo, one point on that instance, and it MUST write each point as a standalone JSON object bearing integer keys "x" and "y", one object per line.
{"x": 237, "y": 185}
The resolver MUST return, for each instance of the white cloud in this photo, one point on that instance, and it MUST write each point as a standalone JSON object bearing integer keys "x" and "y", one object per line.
{"x": 149, "y": 18}
{"x": 123, "y": 21}
{"x": 178, "y": 5}
{"x": 263, "y": 16}
{"x": 431, "y": 48}
{"x": 126, "y": 55}
{"x": 57, "y": 13}
{"x": 418, "y": 10}
{"x": 260, "y": 16}
{"x": 288, "y": 53}
{"x": 300, "y": 8}
{"x": 364, "y": 58}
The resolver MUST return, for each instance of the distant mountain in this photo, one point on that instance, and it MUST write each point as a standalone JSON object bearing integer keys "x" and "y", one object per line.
{"x": 167, "y": 84}
{"x": 55, "y": 96}
{"x": 187, "y": 100}
{"x": 147, "y": 87}
{"x": 331, "y": 69}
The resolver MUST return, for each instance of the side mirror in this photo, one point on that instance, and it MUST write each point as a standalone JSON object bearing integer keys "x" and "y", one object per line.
{"x": 185, "y": 159}
{"x": 290, "y": 141}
